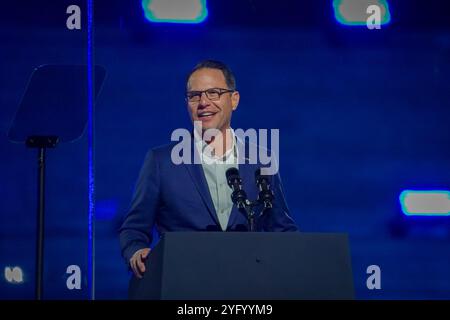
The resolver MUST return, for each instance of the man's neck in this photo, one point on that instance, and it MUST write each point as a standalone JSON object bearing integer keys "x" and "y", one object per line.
{"x": 222, "y": 143}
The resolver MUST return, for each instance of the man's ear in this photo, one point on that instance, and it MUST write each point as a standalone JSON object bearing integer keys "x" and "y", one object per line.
{"x": 235, "y": 99}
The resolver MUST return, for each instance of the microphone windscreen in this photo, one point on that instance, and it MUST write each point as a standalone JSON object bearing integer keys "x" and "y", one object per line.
{"x": 231, "y": 173}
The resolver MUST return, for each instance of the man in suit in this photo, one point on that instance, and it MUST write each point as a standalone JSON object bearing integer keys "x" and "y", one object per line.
{"x": 196, "y": 197}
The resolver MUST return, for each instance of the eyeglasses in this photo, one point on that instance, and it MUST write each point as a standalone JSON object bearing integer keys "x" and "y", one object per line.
{"x": 212, "y": 94}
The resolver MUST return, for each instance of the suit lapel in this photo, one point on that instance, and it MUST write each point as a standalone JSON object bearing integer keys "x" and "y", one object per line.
{"x": 198, "y": 177}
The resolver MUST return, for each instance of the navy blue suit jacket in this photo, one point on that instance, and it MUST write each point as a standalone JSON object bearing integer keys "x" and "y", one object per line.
{"x": 176, "y": 198}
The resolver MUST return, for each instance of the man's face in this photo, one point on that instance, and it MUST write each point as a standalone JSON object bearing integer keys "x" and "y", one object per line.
{"x": 212, "y": 113}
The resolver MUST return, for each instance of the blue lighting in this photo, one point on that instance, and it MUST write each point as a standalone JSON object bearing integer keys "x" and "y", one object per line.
{"x": 425, "y": 203}
{"x": 355, "y": 12}
{"x": 175, "y": 11}
{"x": 106, "y": 209}
{"x": 91, "y": 159}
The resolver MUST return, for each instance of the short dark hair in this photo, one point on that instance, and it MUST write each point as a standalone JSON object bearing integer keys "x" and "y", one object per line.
{"x": 214, "y": 64}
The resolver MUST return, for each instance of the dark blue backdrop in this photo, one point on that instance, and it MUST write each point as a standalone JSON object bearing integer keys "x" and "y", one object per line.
{"x": 362, "y": 115}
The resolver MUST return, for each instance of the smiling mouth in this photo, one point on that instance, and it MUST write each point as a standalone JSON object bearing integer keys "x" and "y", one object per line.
{"x": 206, "y": 115}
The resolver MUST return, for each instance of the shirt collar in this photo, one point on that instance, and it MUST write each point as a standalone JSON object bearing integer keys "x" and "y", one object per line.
{"x": 230, "y": 156}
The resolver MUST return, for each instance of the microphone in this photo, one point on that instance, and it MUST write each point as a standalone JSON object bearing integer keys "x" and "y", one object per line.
{"x": 265, "y": 194}
{"x": 239, "y": 197}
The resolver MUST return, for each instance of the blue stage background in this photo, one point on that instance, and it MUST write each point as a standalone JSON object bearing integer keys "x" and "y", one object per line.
{"x": 363, "y": 115}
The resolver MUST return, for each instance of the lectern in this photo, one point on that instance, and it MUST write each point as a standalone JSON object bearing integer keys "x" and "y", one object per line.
{"x": 246, "y": 265}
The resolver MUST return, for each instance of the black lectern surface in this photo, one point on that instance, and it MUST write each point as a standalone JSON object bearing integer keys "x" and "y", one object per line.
{"x": 247, "y": 265}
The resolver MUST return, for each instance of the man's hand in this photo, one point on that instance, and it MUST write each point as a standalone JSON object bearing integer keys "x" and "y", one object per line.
{"x": 137, "y": 262}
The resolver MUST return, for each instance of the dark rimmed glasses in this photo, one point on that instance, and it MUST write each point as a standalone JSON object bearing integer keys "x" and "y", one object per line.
{"x": 211, "y": 94}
